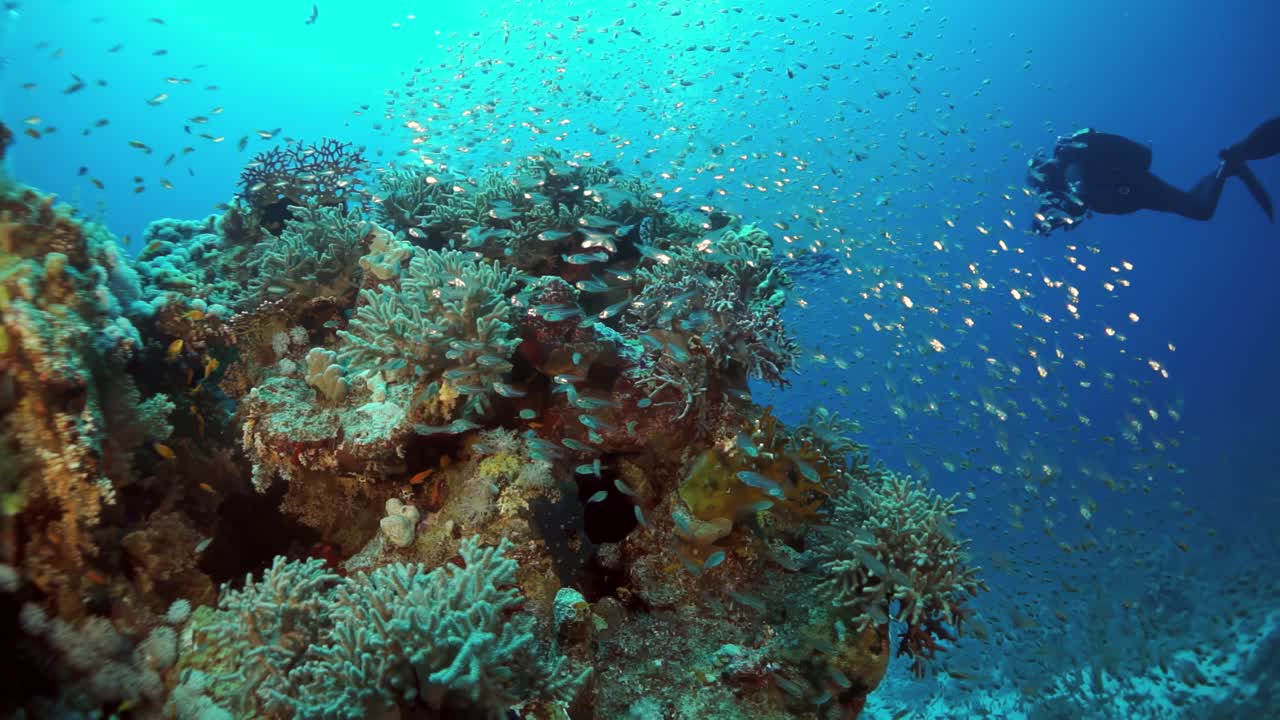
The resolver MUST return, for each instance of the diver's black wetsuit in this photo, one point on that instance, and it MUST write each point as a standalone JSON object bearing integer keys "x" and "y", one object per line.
{"x": 1111, "y": 174}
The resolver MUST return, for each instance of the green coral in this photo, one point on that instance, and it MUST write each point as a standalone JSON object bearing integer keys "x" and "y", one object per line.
{"x": 500, "y": 467}
{"x": 723, "y": 291}
{"x": 316, "y": 255}
{"x": 889, "y": 552}
{"x": 311, "y": 644}
{"x": 449, "y": 319}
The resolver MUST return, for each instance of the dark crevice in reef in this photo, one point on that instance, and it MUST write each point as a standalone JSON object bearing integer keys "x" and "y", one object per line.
{"x": 263, "y": 533}
{"x": 609, "y": 520}
{"x": 605, "y": 521}
{"x": 558, "y": 520}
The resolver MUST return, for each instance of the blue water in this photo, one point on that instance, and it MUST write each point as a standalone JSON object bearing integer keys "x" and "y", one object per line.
{"x": 1185, "y": 536}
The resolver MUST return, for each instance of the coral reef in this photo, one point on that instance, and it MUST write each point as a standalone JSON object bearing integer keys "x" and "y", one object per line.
{"x": 491, "y": 449}
{"x": 72, "y": 414}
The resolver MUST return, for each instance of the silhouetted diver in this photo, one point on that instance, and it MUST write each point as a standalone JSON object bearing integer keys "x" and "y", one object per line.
{"x": 315, "y": 13}
{"x": 1092, "y": 171}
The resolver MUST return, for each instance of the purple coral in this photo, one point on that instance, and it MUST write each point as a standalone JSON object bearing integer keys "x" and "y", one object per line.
{"x": 327, "y": 173}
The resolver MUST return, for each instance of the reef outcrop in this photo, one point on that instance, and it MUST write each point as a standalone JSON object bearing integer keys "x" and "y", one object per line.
{"x": 482, "y": 443}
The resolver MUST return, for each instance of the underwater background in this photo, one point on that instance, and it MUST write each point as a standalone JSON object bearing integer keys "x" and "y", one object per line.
{"x": 1103, "y": 402}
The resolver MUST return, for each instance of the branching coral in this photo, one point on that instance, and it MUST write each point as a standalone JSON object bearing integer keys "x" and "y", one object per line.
{"x": 723, "y": 293}
{"x": 889, "y": 552}
{"x": 315, "y": 256}
{"x": 558, "y": 180}
{"x": 448, "y": 640}
{"x": 326, "y": 174}
{"x": 449, "y": 320}
{"x": 266, "y": 628}
{"x": 440, "y": 638}
{"x": 411, "y": 199}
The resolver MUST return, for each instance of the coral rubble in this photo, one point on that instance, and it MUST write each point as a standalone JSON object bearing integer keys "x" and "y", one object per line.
{"x": 490, "y": 447}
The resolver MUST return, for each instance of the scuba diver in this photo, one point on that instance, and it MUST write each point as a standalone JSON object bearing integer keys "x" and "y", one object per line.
{"x": 1092, "y": 171}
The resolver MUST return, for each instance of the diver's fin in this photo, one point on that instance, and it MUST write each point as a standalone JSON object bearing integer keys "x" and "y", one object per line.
{"x": 1263, "y": 142}
{"x": 1256, "y": 189}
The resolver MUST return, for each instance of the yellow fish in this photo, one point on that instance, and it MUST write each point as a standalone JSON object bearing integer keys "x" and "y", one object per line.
{"x": 175, "y": 347}
{"x": 165, "y": 451}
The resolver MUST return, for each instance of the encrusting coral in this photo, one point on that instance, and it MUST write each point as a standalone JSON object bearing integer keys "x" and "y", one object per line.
{"x": 496, "y": 452}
